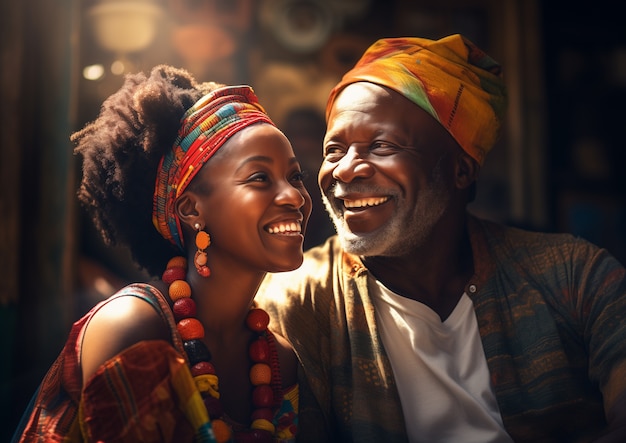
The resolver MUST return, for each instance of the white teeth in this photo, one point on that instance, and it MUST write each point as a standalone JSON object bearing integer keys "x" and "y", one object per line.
{"x": 363, "y": 202}
{"x": 292, "y": 227}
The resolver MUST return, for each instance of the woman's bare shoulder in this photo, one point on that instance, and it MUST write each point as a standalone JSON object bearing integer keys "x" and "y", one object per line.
{"x": 117, "y": 325}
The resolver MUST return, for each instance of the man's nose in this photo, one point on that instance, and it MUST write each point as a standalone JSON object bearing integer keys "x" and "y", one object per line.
{"x": 353, "y": 165}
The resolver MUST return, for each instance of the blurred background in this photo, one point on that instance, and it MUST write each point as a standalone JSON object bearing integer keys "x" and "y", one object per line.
{"x": 559, "y": 166}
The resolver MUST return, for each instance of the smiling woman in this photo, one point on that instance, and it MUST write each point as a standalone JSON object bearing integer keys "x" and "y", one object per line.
{"x": 256, "y": 182}
{"x": 181, "y": 172}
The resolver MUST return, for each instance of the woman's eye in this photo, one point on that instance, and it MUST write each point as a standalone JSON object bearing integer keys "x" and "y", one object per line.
{"x": 299, "y": 176}
{"x": 258, "y": 177}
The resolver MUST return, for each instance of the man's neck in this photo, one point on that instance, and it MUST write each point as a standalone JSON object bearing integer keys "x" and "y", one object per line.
{"x": 434, "y": 274}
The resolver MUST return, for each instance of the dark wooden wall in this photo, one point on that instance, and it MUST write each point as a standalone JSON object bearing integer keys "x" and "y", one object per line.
{"x": 37, "y": 216}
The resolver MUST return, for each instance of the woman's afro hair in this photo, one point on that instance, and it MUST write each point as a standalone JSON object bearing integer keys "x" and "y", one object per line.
{"x": 121, "y": 150}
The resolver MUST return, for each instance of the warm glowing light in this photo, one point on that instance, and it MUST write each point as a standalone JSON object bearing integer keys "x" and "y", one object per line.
{"x": 93, "y": 72}
{"x": 117, "y": 67}
{"x": 125, "y": 26}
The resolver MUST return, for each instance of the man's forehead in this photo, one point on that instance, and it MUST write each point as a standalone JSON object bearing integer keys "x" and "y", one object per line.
{"x": 363, "y": 92}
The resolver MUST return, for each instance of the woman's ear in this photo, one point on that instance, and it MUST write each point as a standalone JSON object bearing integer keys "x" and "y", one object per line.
{"x": 467, "y": 170}
{"x": 186, "y": 208}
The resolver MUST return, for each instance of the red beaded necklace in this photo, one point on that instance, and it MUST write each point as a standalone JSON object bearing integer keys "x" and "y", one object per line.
{"x": 264, "y": 373}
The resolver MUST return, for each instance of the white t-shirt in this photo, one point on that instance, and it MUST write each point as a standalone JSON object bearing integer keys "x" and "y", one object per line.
{"x": 440, "y": 370}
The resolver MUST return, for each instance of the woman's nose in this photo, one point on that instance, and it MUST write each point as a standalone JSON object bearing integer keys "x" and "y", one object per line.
{"x": 290, "y": 195}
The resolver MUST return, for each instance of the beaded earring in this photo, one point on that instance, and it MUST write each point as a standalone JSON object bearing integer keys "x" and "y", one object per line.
{"x": 203, "y": 240}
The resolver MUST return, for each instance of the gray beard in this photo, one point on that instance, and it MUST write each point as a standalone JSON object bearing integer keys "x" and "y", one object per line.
{"x": 405, "y": 231}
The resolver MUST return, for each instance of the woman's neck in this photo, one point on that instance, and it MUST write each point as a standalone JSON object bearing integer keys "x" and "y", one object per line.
{"x": 223, "y": 299}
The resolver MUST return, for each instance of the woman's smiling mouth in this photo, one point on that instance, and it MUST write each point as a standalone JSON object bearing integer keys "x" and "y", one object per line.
{"x": 286, "y": 228}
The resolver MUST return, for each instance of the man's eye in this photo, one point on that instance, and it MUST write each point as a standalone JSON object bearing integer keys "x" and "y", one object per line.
{"x": 333, "y": 152}
{"x": 383, "y": 148}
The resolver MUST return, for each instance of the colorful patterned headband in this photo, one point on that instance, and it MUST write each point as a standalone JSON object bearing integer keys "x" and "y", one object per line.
{"x": 451, "y": 79}
{"x": 204, "y": 128}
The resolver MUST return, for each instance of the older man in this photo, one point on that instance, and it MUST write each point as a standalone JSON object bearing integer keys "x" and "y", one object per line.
{"x": 420, "y": 322}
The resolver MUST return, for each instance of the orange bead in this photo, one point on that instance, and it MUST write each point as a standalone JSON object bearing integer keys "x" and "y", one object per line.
{"x": 260, "y": 374}
{"x": 179, "y": 289}
{"x": 257, "y": 320}
{"x": 190, "y": 329}
{"x": 177, "y": 262}
{"x": 221, "y": 430}
{"x": 203, "y": 240}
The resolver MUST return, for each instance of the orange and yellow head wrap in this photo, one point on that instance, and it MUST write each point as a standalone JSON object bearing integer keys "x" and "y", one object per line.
{"x": 204, "y": 128}
{"x": 451, "y": 79}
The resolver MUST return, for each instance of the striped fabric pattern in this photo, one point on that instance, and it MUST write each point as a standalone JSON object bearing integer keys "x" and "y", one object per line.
{"x": 204, "y": 129}
{"x": 551, "y": 311}
{"x": 452, "y": 79}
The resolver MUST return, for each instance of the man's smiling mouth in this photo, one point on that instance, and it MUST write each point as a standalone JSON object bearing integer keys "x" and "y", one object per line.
{"x": 364, "y": 202}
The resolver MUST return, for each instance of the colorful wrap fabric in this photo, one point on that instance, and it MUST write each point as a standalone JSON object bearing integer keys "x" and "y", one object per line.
{"x": 451, "y": 79}
{"x": 146, "y": 393}
{"x": 204, "y": 128}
